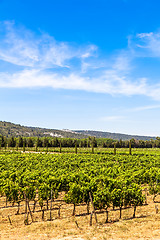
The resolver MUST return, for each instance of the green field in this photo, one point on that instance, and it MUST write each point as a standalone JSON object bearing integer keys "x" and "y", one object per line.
{"x": 112, "y": 180}
{"x": 35, "y": 185}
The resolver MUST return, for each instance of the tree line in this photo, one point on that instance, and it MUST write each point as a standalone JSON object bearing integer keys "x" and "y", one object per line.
{"x": 69, "y": 142}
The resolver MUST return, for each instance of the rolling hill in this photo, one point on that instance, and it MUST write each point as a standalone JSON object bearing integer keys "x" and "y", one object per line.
{"x": 116, "y": 136}
{"x": 9, "y": 129}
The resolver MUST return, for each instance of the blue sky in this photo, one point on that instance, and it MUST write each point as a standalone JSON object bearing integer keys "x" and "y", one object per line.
{"x": 81, "y": 64}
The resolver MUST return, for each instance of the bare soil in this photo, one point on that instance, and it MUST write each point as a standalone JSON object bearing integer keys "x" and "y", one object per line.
{"x": 146, "y": 225}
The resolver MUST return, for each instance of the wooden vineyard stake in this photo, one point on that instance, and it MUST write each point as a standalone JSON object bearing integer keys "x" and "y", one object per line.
{"x": 51, "y": 206}
{"x": 42, "y": 214}
{"x": 9, "y": 220}
{"x": 93, "y": 206}
{"x": 156, "y": 207}
{"x": 30, "y": 211}
{"x": 60, "y": 147}
{"x": 18, "y": 208}
{"x": 88, "y": 207}
{"x": 145, "y": 196}
{"x": 34, "y": 205}
{"x": 92, "y": 148}
{"x": 76, "y": 224}
{"x": 23, "y": 146}
{"x": 59, "y": 211}
{"x": 26, "y": 213}
{"x": 114, "y": 148}
{"x": 76, "y": 147}
{"x": 74, "y": 209}
{"x": 91, "y": 215}
{"x": 130, "y": 148}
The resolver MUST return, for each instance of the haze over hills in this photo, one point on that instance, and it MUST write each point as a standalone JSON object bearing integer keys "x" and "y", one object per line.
{"x": 9, "y": 129}
{"x": 116, "y": 136}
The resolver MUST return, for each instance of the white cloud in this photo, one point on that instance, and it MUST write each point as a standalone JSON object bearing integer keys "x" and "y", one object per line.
{"x": 49, "y": 63}
{"x": 144, "y": 35}
{"x": 123, "y": 62}
{"x": 109, "y": 82}
{"x": 20, "y": 47}
{"x": 146, "y": 44}
{"x": 112, "y": 118}
{"x": 142, "y": 108}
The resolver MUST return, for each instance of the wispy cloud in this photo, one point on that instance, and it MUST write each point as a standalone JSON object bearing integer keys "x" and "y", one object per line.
{"x": 144, "y": 108}
{"x": 21, "y": 47}
{"x": 109, "y": 82}
{"x": 46, "y": 62}
{"x": 112, "y": 118}
{"x": 146, "y": 44}
{"x": 122, "y": 62}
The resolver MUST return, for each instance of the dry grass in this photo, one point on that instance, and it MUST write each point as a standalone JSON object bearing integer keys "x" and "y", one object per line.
{"x": 146, "y": 225}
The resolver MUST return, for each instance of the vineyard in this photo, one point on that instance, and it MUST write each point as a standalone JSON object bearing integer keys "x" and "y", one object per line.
{"x": 44, "y": 187}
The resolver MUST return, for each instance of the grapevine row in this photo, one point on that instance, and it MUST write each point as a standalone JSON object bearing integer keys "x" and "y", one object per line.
{"x": 111, "y": 180}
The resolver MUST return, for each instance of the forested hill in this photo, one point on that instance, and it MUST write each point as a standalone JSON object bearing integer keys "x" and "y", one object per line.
{"x": 116, "y": 136}
{"x": 10, "y": 129}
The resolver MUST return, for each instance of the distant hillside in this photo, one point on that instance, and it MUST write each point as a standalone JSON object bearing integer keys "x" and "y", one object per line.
{"x": 116, "y": 136}
{"x": 10, "y": 129}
